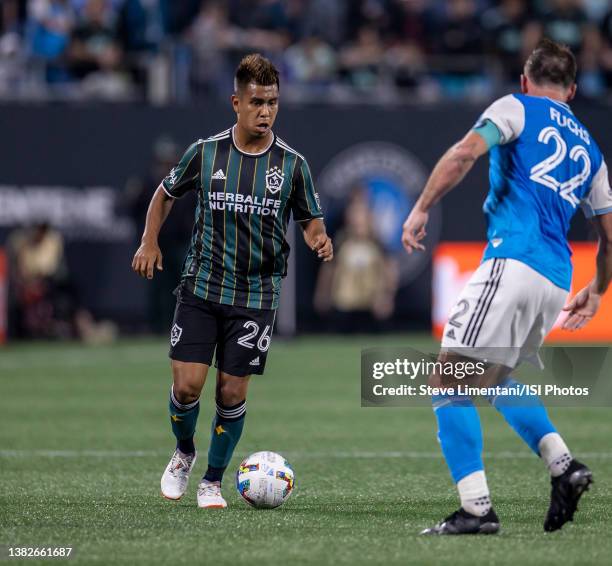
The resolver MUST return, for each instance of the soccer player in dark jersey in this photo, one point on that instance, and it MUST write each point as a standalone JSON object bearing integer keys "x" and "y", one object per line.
{"x": 248, "y": 183}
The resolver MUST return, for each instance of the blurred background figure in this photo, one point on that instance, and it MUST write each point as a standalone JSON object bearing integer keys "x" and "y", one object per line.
{"x": 605, "y": 56}
{"x": 174, "y": 237}
{"x": 457, "y": 44}
{"x": 510, "y": 35}
{"x": 360, "y": 60}
{"x": 12, "y": 58}
{"x": 38, "y": 271}
{"x": 44, "y": 302}
{"x": 311, "y": 62}
{"x": 94, "y": 54}
{"x": 356, "y": 292}
{"x": 50, "y": 26}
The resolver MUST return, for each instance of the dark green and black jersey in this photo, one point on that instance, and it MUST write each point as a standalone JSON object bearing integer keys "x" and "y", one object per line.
{"x": 238, "y": 251}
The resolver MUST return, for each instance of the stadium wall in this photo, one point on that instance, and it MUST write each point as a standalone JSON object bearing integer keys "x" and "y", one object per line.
{"x": 70, "y": 164}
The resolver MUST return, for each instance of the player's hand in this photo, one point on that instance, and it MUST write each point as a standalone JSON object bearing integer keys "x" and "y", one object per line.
{"x": 323, "y": 246}
{"x": 147, "y": 258}
{"x": 581, "y": 308}
{"x": 414, "y": 230}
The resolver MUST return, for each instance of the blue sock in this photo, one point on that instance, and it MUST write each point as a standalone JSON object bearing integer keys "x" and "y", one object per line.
{"x": 459, "y": 434}
{"x": 183, "y": 418}
{"x": 524, "y": 413}
{"x": 226, "y": 430}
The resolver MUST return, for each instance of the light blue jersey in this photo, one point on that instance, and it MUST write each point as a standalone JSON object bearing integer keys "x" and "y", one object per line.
{"x": 546, "y": 166}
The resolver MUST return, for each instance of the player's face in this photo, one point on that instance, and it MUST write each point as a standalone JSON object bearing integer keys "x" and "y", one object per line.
{"x": 256, "y": 107}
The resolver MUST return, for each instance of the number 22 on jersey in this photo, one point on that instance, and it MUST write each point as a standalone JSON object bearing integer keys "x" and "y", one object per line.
{"x": 540, "y": 172}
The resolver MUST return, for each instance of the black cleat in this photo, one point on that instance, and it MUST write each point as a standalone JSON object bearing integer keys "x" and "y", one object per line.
{"x": 566, "y": 492}
{"x": 463, "y": 523}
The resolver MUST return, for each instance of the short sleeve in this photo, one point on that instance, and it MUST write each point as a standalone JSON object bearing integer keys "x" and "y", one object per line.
{"x": 304, "y": 200}
{"x": 185, "y": 176}
{"x": 508, "y": 115}
{"x": 599, "y": 199}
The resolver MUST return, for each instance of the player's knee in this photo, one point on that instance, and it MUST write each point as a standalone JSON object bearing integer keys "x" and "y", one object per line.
{"x": 188, "y": 381}
{"x": 231, "y": 393}
{"x": 185, "y": 392}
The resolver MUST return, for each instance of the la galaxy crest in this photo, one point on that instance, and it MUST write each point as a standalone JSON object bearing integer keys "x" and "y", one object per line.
{"x": 175, "y": 334}
{"x": 274, "y": 180}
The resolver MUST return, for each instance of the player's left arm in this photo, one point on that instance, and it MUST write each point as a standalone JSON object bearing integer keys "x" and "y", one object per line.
{"x": 316, "y": 238}
{"x": 598, "y": 207}
{"x": 447, "y": 174}
{"x": 307, "y": 212}
{"x": 585, "y": 304}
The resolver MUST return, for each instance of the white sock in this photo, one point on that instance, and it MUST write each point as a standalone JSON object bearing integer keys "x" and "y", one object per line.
{"x": 474, "y": 493}
{"x": 555, "y": 453}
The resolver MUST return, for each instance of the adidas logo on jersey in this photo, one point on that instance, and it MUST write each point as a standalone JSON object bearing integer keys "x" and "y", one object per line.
{"x": 219, "y": 175}
{"x": 451, "y": 334}
{"x": 255, "y": 362}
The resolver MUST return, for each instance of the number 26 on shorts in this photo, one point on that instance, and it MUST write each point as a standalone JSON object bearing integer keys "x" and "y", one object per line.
{"x": 263, "y": 343}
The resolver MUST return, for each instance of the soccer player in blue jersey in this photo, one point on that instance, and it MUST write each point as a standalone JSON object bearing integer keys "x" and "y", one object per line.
{"x": 544, "y": 165}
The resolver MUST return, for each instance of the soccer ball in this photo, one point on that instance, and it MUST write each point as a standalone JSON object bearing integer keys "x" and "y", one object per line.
{"x": 265, "y": 480}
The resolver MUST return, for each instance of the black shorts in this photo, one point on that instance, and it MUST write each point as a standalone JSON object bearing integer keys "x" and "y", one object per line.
{"x": 240, "y": 336}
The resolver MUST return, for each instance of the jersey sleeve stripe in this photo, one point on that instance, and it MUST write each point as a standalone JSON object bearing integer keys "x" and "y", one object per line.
{"x": 179, "y": 179}
{"x": 314, "y": 217}
{"x": 284, "y": 145}
{"x": 220, "y": 135}
{"x": 304, "y": 188}
{"x": 166, "y": 191}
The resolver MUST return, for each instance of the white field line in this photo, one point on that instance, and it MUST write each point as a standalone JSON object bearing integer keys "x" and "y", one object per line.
{"x": 357, "y": 455}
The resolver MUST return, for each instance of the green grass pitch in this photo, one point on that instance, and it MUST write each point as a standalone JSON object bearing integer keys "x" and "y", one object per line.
{"x": 85, "y": 436}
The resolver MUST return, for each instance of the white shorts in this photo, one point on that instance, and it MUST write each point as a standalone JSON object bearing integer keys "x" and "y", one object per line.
{"x": 503, "y": 313}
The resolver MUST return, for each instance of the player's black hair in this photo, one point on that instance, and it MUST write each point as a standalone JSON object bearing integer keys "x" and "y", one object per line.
{"x": 551, "y": 63}
{"x": 255, "y": 68}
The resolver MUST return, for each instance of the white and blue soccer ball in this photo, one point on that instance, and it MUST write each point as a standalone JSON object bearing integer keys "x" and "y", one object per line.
{"x": 265, "y": 480}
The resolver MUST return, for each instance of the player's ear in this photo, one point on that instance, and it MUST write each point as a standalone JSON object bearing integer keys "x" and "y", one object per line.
{"x": 524, "y": 84}
{"x": 235, "y": 102}
{"x": 572, "y": 92}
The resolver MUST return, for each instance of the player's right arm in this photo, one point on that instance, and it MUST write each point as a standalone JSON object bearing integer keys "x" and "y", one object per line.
{"x": 182, "y": 179}
{"x": 501, "y": 123}
{"x": 447, "y": 174}
{"x": 149, "y": 255}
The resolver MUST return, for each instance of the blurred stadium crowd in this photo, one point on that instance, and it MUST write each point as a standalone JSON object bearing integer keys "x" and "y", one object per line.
{"x": 333, "y": 50}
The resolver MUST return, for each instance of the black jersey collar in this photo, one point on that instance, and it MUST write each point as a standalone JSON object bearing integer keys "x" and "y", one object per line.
{"x": 246, "y": 153}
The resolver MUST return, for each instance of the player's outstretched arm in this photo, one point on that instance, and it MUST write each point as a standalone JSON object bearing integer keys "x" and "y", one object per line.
{"x": 584, "y": 305}
{"x": 316, "y": 238}
{"x": 148, "y": 256}
{"x": 447, "y": 174}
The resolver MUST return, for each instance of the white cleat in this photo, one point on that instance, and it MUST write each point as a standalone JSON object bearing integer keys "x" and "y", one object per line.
{"x": 209, "y": 495}
{"x": 176, "y": 475}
